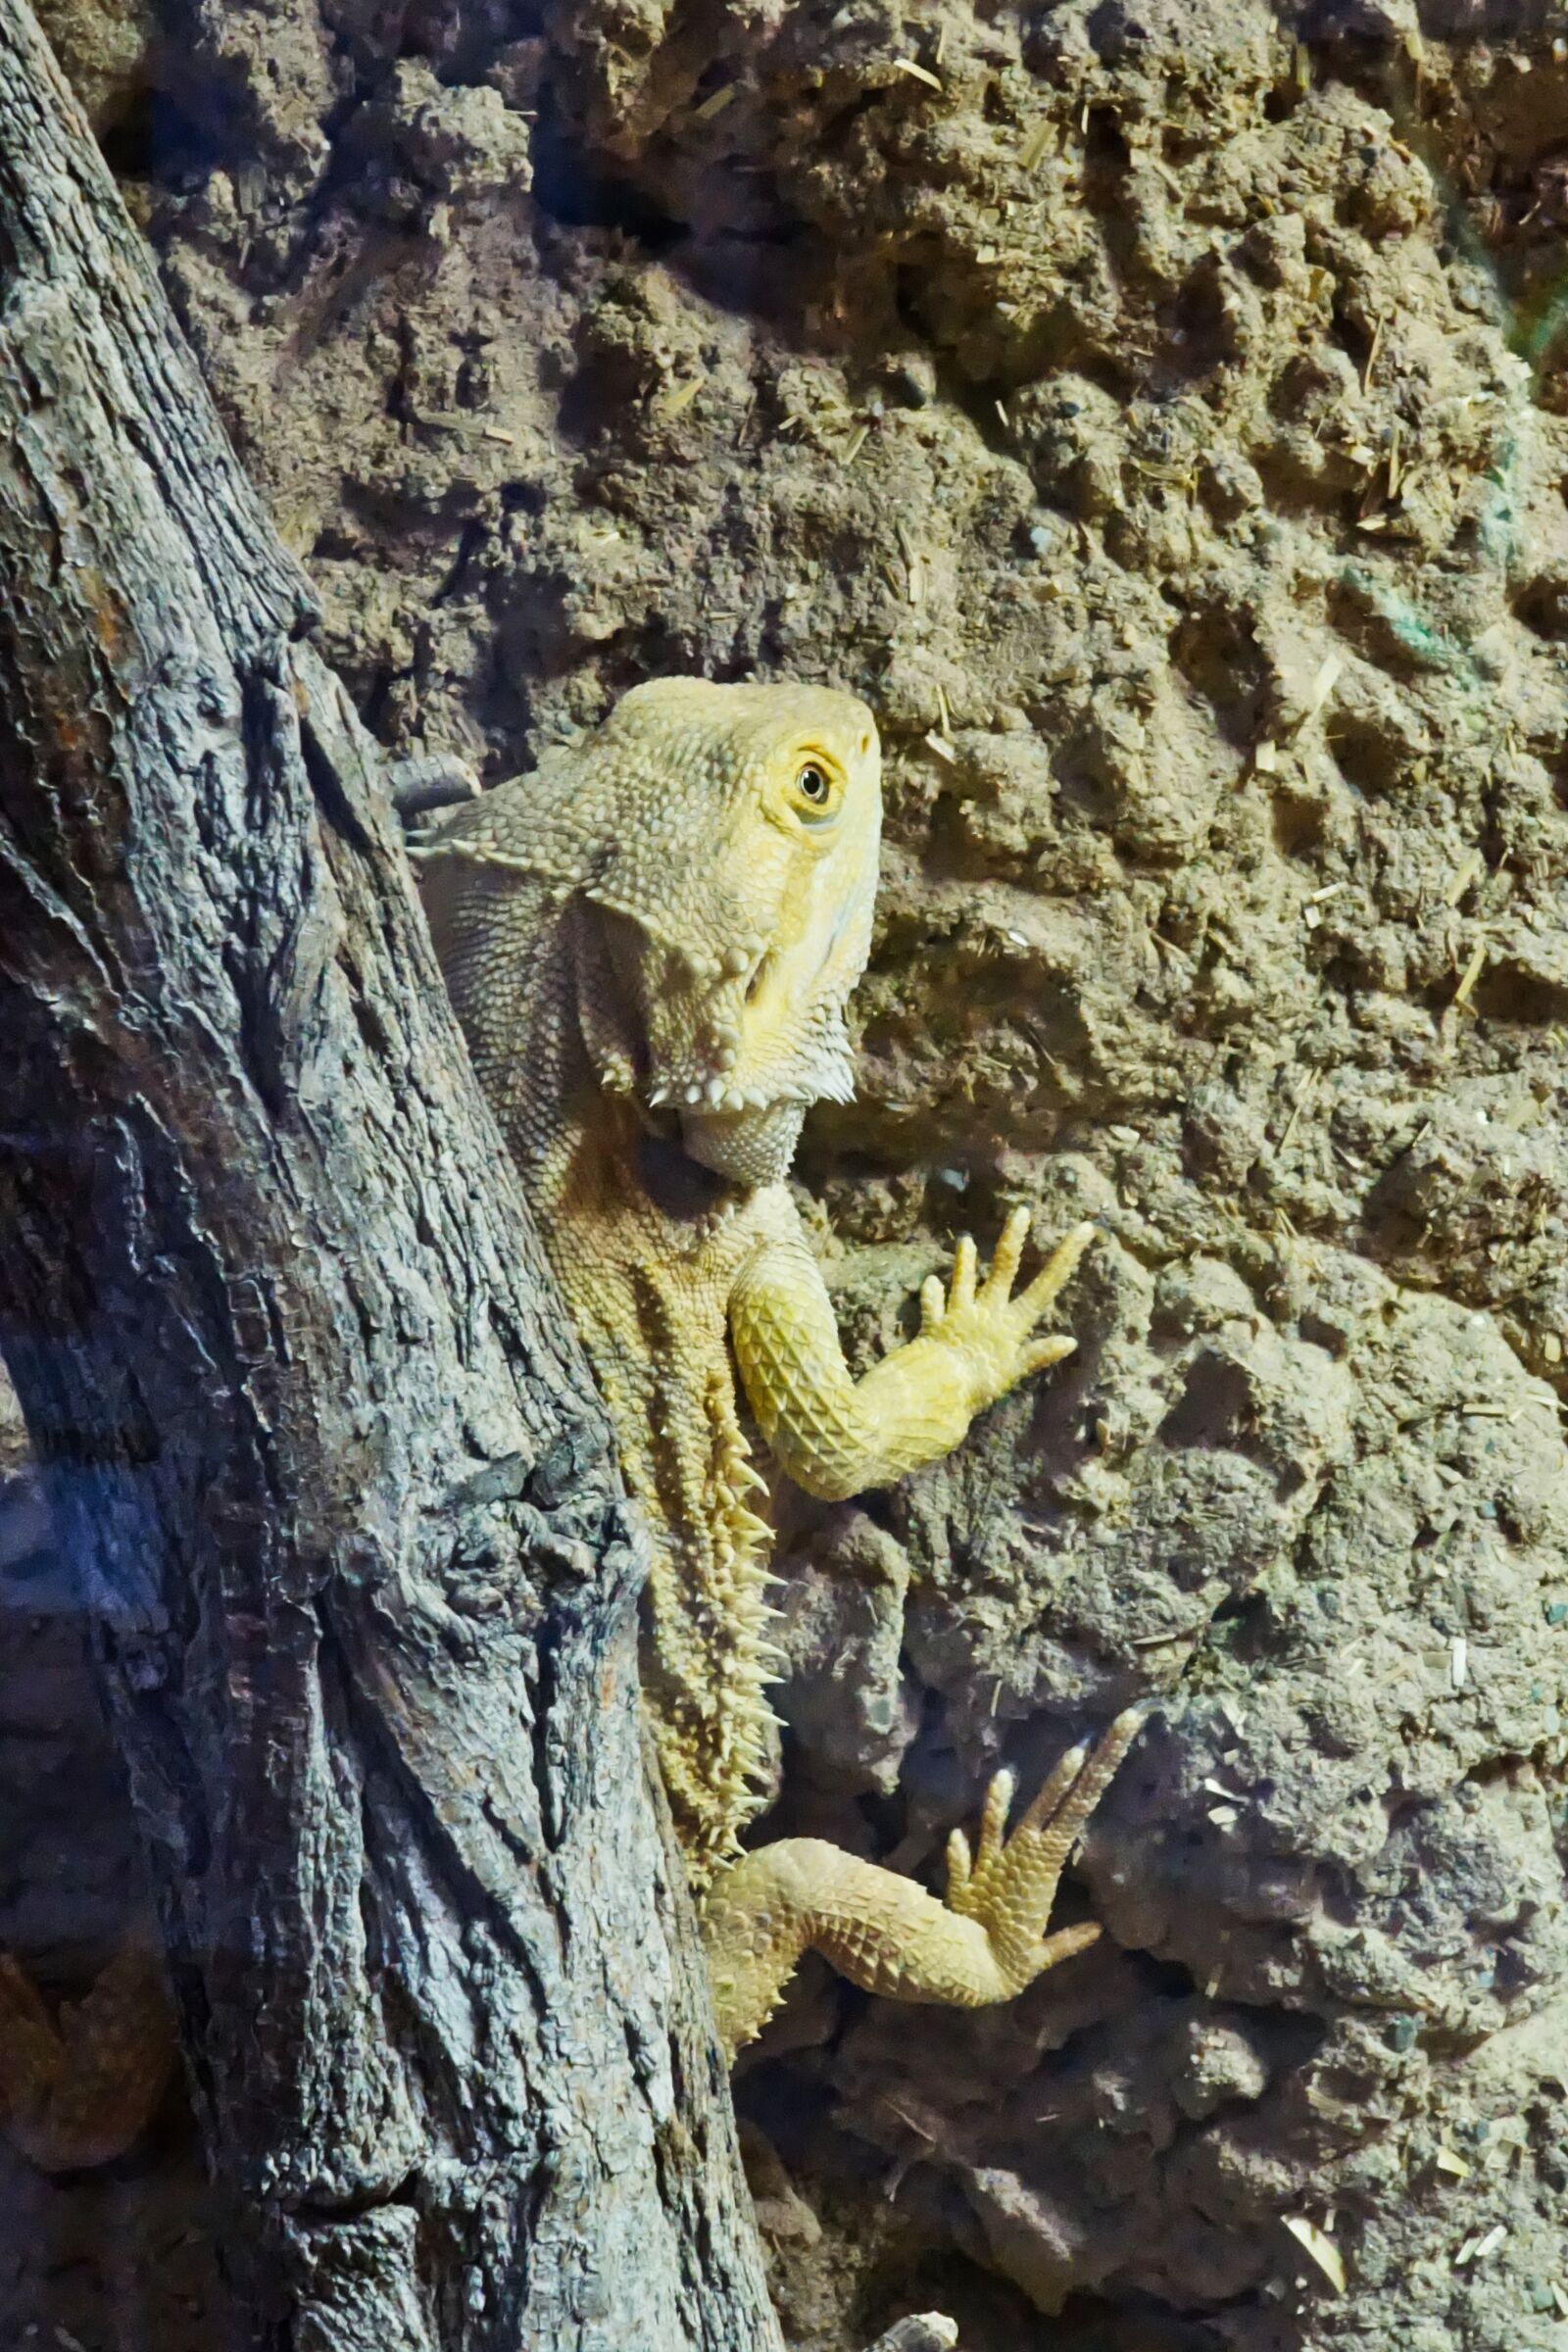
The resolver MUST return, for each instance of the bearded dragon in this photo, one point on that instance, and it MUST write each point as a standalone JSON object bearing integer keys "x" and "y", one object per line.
{"x": 651, "y": 943}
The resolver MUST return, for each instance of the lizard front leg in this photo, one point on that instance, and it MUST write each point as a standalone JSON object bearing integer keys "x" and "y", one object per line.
{"x": 837, "y": 1436}
{"x": 985, "y": 1943}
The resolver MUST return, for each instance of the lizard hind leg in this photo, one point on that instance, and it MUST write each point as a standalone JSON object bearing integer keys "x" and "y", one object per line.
{"x": 886, "y": 1933}
{"x": 79, "y": 2092}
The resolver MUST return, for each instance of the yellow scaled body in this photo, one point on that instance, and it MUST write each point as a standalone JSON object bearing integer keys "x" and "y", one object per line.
{"x": 651, "y": 943}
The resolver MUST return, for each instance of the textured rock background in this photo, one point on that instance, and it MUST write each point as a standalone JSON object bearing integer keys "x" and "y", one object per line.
{"x": 1159, "y": 413}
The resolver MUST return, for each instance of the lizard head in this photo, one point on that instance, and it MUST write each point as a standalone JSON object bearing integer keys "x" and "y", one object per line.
{"x": 708, "y": 858}
{"x": 734, "y": 895}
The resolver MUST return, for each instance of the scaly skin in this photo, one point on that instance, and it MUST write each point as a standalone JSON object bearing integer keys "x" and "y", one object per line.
{"x": 651, "y": 943}
{"x": 79, "y": 2090}
{"x": 885, "y": 1932}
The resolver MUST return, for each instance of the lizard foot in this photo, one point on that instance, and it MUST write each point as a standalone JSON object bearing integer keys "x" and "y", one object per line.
{"x": 888, "y": 1933}
{"x": 994, "y": 1332}
{"x": 79, "y": 2090}
{"x": 1007, "y": 1883}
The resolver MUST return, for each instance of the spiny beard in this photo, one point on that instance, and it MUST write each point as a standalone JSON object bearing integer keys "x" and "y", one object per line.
{"x": 753, "y": 1148}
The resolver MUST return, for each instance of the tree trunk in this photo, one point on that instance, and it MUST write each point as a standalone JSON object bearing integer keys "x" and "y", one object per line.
{"x": 313, "y": 1421}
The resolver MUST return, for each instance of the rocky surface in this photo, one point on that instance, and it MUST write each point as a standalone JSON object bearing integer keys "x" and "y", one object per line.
{"x": 1159, "y": 413}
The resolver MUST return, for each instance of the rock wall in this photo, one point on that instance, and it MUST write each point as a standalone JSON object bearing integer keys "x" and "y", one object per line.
{"x": 1159, "y": 411}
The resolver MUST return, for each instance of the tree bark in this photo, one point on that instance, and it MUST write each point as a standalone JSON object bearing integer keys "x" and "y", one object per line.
{"x": 313, "y": 1421}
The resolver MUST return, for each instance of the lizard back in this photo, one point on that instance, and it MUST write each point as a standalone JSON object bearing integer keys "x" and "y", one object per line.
{"x": 646, "y": 1246}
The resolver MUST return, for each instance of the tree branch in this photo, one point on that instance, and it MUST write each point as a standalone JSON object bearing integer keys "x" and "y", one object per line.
{"x": 312, "y": 1422}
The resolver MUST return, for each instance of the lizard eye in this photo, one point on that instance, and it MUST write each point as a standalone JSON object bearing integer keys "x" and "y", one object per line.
{"x": 810, "y": 782}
